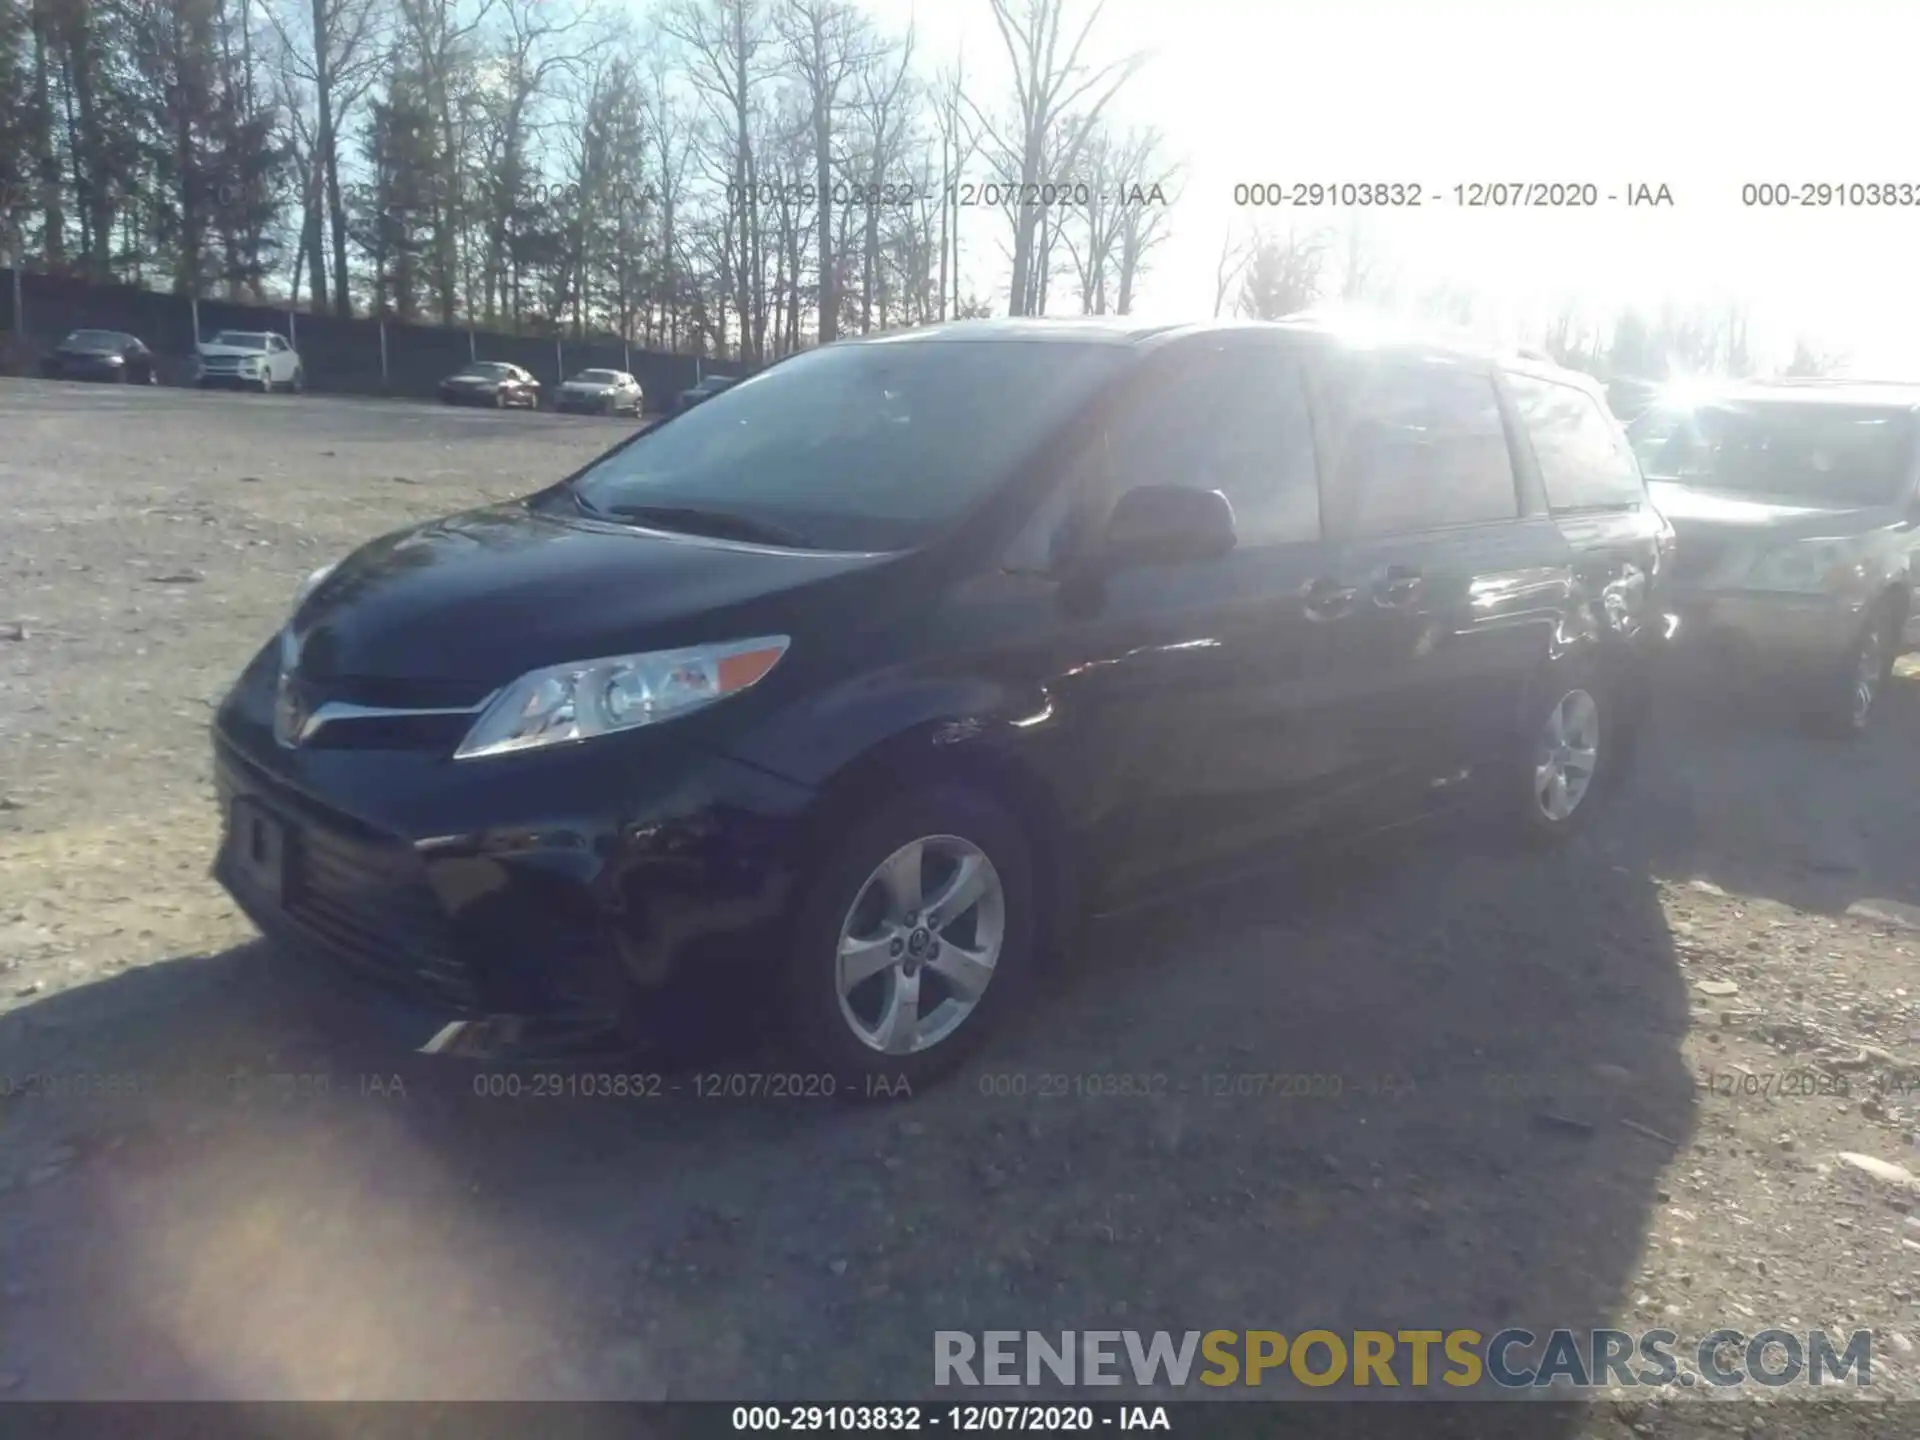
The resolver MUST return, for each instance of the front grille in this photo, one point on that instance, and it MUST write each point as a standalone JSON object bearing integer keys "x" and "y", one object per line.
{"x": 375, "y": 910}
{"x": 439, "y": 733}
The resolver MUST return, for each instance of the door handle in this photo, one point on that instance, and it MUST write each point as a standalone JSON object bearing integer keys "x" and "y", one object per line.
{"x": 1398, "y": 586}
{"x": 1325, "y": 599}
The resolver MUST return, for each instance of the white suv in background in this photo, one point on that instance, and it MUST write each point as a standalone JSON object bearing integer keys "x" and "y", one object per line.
{"x": 248, "y": 360}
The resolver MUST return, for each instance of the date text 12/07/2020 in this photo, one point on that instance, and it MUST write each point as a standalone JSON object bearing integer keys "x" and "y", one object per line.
{"x": 1470, "y": 195}
{"x": 1012, "y": 194}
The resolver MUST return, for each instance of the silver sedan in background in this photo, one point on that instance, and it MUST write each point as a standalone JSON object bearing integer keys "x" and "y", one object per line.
{"x": 601, "y": 392}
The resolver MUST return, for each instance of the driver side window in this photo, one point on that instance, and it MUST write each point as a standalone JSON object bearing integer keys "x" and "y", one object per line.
{"x": 1232, "y": 419}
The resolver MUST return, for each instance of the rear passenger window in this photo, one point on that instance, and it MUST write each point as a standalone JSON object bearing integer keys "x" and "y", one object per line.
{"x": 1232, "y": 419}
{"x": 1585, "y": 462}
{"x": 1416, "y": 444}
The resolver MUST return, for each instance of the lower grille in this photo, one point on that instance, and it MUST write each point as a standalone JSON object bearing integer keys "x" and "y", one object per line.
{"x": 1696, "y": 556}
{"x": 364, "y": 899}
{"x": 381, "y": 919}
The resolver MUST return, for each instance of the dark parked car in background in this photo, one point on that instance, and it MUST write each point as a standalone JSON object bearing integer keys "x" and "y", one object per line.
{"x": 491, "y": 382}
{"x": 601, "y": 392}
{"x": 846, "y": 692}
{"x": 101, "y": 355}
{"x": 1798, "y": 512}
{"x": 704, "y": 389}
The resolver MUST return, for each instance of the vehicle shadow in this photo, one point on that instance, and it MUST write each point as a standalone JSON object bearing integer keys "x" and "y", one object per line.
{"x": 1735, "y": 793}
{"x": 1418, "y": 1084}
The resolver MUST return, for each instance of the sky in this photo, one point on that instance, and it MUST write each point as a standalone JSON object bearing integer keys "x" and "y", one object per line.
{"x": 1701, "y": 97}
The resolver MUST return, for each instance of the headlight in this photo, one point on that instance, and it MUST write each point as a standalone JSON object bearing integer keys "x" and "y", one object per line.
{"x": 312, "y": 583}
{"x": 115, "y": 359}
{"x": 623, "y": 692}
{"x": 1806, "y": 567}
{"x": 250, "y": 362}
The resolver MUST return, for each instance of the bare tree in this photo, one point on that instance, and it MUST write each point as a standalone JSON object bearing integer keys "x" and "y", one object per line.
{"x": 1149, "y": 177}
{"x": 665, "y": 162}
{"x": 1808, "y": 362}
{"x": 331, "y": 45}
{"x": 538, "y": 42}
{"x": 1283, "y": 275}
{"x": 1234, "y": 256}
{"x": 724, "y": 41}
{"x": 1047, "y": 86}
{"x": 958, "y": 145}
{"x": 828, "y": 43}
{"x": 885, "y": 111}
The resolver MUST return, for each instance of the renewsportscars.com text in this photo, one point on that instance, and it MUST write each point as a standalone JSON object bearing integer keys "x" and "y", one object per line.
{"x": 1510, "y": 1359}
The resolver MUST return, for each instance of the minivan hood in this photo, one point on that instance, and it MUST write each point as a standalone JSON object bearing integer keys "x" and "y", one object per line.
{"x": 1698, "y": 511}
{"x": 480, "y": 598}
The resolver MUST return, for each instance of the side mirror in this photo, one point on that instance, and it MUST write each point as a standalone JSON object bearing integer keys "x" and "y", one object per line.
{"x": 1167, "y": 525}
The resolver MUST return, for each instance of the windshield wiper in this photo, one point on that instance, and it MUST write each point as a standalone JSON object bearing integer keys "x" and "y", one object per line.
{"x": 719, "y": 523}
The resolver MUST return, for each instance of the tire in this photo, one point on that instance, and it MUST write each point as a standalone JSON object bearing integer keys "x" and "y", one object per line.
{"x": 499, "y": 399}
{"x": 299, "y": 382}
{"x": 846, "y": 901}
{"x": 1548, "y": 793}
{"x": 1849, "y": 694}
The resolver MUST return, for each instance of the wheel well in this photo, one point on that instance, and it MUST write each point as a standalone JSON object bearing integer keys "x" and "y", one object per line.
{"x": 1896, "y": 601}
{"x": 920, "y": 761}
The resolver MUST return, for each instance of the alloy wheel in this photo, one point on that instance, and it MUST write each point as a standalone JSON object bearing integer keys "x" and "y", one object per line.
{"x": 919, "y": 944}
{"x": 1566, "y": 755}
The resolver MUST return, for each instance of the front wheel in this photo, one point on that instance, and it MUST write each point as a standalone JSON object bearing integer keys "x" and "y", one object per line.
{"x": 299, "y": 382}
{"x": 1858, "y": 681}
{"x": 914, "y": 936}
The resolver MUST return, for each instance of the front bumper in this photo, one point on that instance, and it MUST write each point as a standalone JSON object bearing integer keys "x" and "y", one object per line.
{"x": 1767, "y": 632}
{"x": 585, "y": 404}
{"x": 83, "y": 370}
{"x": 597, "y": 889}
{"x": 229, "y": 380}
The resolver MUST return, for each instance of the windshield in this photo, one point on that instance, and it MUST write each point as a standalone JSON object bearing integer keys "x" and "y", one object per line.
{"x": 96, "y": 340}
{"x": 865, "y": 446}
{"x": 1819, "y": 454}
{"x": 489, "y": 370}
{"x": 597, "y": 377}
{"x": 239, "y": 340}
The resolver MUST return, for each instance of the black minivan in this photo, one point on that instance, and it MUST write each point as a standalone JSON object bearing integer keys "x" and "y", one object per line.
{"x": 846, "y": 690}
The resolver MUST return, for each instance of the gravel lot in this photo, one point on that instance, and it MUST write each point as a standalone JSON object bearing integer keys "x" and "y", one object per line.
{"x": 1570, "y": 1085}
